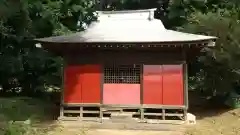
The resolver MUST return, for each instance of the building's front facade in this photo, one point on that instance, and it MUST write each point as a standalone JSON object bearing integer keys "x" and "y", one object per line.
{"x": 128, "y": 61}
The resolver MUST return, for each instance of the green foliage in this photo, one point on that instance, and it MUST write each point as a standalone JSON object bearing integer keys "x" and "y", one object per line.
{"x": 14, "y": 128}
{"x": 19, "y": 116}
{"x": 218, "y": 68}
{"x": 25, "y": 69}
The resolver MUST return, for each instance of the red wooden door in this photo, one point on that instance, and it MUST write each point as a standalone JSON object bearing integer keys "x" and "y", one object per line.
{"x": 82, "y": 84}
{"x": 152, "y": 84}
{"x": 91, "y": 84}
{"x": 72, "y": 84}
{"x": 173, "y": 91}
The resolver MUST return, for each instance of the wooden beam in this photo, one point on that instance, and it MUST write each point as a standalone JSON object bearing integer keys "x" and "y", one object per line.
{"x": 71, "y": 111}
{"x": 165, "y": 114}
{"x": 121, "y": 106}
{"x": 82, "y": 104}
{"x": 163, "y": 106}
{"x": 81, "y": 111}
{"x": 130, "y": 106}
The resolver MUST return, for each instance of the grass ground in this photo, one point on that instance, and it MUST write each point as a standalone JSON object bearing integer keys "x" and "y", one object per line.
{"x": 19, "y": 109}
{"x": 210, "y": 121}
{"x": 24, "y": 108}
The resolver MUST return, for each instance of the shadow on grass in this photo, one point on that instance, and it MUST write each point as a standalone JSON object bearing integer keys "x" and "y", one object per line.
{"x": 23, "y": 108}
{"x": 42, "y": 113}
{"x": 203, "y": 107}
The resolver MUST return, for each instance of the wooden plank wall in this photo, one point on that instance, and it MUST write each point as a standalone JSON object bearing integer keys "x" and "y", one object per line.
{"x": 173, "y": 89}
{"x": 163, "y": 84}
{"x": 152, "y": 84}
{"x": 90, "y": 87}
{"x": 82, "y": 84}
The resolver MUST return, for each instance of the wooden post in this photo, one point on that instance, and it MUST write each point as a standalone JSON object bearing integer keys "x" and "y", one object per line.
{"x": 186, "y": 85}
{"x": 101, "y": 114}
{"x": 62, "y": 92}
{"x": 141, "y": 84}
{"x": 185, "y": 114}
{"x": 141, "y": 92}
{"x": 163, "y": 114}
{"x": 101, "y": 96}
{"x": 101, "y": 83}
{"x": 61, "y": 111}
{"x": 142, "y": 113}
{"x": 185, "y": 71}
{"x": 185, "y": 91}
{"x": 101, "y": 4}
{"x": 81, "y": 112}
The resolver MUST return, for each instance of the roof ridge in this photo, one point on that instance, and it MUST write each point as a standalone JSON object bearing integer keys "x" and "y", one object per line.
{"x": 127, "y": 11}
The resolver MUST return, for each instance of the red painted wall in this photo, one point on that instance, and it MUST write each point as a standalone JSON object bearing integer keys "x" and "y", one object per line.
{"x": 121, "y": 94}
{"x": 91, "y": 84}
{"x": 163, "y": 84}
{"x": 173, "y": 91}
{"x": 82, "y": 84}
{"x": 152, "y": 84}
{"x": 72, "y": 84}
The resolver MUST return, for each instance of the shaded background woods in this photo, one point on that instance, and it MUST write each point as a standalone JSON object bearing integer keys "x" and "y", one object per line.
{"x": 30, "y": 71}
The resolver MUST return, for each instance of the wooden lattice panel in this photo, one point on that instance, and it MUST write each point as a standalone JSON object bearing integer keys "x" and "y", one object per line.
{"x": 122, "y": 74}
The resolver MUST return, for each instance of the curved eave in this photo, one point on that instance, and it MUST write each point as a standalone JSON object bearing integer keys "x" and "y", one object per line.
{"x": 128, "y": 37}
{"x": 64, "y": 48}
{"x": 189, "y": 42}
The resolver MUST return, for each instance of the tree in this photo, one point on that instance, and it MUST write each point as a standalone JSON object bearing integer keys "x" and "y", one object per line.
{"x": 24, "y": 68}
{"x": 218, "y": 68}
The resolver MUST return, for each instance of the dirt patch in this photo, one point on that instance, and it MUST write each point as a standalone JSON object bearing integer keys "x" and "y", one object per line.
{"x": 225, "y": 123}
{"x": 111, "y": 132}
{"x": 79, "y": 128}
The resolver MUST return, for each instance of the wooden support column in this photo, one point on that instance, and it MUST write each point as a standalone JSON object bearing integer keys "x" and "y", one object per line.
{"x": 101, "y": 83}
{"x": 101, "y": 5}
{"x": 62, "y": 92}
{"x": 185, "y": 71}
{"x": 163, "y": 114}
{"x": 141, "y": 92}
{"x": 185, "y": 90}
{"x": 81, "y": 113}
{"x": 61, "y": 111}
{"x": 142, "y": 113}
{"x": 101, "y": 96}
{"x": 141, "y": 84}
{"x": 186, "y": 84}
{"x": 101, "y": 114}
